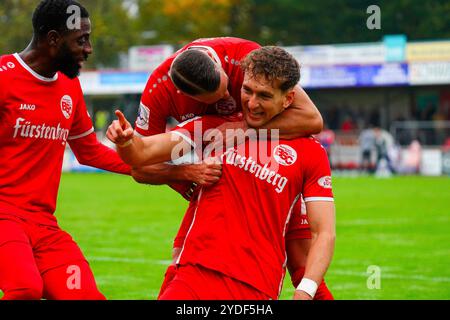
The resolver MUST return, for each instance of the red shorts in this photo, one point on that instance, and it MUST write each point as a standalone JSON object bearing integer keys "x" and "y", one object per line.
{"x": 39, "y": 261}
{"x": 198, "y": 283}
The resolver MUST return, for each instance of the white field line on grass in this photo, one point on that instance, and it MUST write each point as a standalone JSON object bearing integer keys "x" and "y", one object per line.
{"x": 368, "y": 222}
{"x": 391, "y": 276}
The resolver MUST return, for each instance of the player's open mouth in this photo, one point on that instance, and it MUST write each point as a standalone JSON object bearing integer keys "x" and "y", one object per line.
{"x": 255, "y": 115}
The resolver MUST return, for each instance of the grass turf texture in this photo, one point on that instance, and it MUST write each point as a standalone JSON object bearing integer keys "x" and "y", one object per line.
{"x": 400, "y": 224}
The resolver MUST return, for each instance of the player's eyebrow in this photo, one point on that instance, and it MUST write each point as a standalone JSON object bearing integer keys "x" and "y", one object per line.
{"x": 266, "y": 94}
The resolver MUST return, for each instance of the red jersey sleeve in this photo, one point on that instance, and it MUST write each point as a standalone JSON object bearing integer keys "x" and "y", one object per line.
{"x": 317, "y": 173}
{"x": 154, "y": 108}
{"x": 82, "y": 122}
{"x": 89, "y": 151}
{"x": 298, "y": 227}
{"x": 151, "y": 119}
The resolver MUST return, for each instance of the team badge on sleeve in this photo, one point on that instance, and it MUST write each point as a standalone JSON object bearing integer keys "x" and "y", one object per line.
{"x": 66, "y": 106}
{"x": 143, "y": 117}
{"x": 325, "y": 182}
{"x": 285, "y": 155}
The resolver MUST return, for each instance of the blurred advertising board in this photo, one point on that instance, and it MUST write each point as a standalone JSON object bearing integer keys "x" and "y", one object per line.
{"x": 431, "y": 162}
{"x": 148, "y": 57}
{"x": 428, "y": 51}
{"x": 354, "y": 75}
{"x": 395, "y": 46}
{"x": 364, "y": 53}
{"x": 422, "y": 73}
{"x": 113, "y": 82}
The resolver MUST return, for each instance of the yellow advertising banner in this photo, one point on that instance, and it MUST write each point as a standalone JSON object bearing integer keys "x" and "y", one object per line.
{"x": 428, "y": 51}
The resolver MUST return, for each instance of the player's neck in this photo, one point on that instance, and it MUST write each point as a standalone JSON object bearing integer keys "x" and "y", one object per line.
{"x": 36, "y": 58}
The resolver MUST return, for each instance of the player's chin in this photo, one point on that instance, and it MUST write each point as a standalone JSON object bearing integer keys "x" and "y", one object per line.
{"x": 253, "y": 122}
{"x": 72, "y": 72}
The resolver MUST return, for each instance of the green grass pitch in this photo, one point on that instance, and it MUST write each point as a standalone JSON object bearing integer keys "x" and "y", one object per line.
{"x": 400, "y": 225}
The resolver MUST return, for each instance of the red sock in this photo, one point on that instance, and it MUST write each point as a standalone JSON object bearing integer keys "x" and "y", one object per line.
{"x": 323, "y": 293}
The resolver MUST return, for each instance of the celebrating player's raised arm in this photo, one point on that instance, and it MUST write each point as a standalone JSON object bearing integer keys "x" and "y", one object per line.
{"x": 137, "y": 151}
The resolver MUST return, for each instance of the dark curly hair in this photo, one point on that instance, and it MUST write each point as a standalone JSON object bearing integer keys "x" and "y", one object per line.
{"x": 194, "y": 73}
{"x": 274, "y": 63}
{"x": 52, "y": 15}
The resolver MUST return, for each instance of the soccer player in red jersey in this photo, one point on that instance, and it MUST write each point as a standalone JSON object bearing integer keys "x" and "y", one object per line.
{"x": 41, "y": 110}
{"x": 235, "y": 247}
{"x": 204, "y": 77}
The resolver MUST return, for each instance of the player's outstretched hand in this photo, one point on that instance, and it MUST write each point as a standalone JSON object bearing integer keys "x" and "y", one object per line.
{"x": 120, "y": 131}
{"x": 206, "y": 173}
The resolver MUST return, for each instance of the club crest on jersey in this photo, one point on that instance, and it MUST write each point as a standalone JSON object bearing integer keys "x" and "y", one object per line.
{"x": 66, "y": 106}
{"x": 325, "y": 182}
{"x": 285, "y": 155}
{"x": 226, "y": 106}
{"x": 143, "y": 117}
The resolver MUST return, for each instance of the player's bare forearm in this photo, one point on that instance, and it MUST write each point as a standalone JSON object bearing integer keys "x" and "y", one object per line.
{"x": 137, "y": 151}
{"x": 320, "y": 255}
{"x": 161, "y": 173}
{"x": 321, "y": 218}
{"x": 203, "y": 174}
{"x": 300, "y": 119}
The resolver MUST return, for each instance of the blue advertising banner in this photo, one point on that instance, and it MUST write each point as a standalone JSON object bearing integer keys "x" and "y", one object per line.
{"x": 356, "y": 75}
{"x": 123, "y": 78}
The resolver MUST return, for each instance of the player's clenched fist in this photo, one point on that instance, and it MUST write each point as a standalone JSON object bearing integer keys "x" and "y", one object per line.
{"x": 120, "y": 131}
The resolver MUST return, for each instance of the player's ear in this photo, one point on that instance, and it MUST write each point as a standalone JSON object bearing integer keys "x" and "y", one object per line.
{"x": 53, "y": 38}
{"x": 288, "y": 98}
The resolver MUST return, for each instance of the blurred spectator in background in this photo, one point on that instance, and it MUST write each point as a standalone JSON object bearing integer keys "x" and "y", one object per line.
{"x": 348, "y": 125}
{"x": 326, "y": 137}
{"x": 411, "y": 161}
{"x": 367, "y": 144}
{"x": 384, "y": 142}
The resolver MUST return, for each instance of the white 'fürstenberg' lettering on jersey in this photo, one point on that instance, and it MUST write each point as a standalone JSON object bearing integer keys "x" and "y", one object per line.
{"x": 262, "y": 172}
{"x": 26, "y": 129}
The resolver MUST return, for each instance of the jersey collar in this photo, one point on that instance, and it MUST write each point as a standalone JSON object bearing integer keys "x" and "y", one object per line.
{"x": 33, "y": 73}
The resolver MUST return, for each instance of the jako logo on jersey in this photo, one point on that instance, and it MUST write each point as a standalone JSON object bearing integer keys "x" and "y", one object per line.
{"x": 30, "y": 107}
{"x": 226, "y": 106}
{"x": 143, "y": 117}
{"x": 284, "y": 155}
{"x": 325, "y": 182}
{"x": 188, "y": 116}
{"x": 66, "y": 106}
{"x": 26, "y": 129}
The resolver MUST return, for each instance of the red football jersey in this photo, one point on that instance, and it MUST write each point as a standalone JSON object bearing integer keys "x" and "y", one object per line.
{"x": 161, "y": 99}
{"x": 298, "y": 227}
{"x": 38, "y": 116}
{"x": 240, "y": 223}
